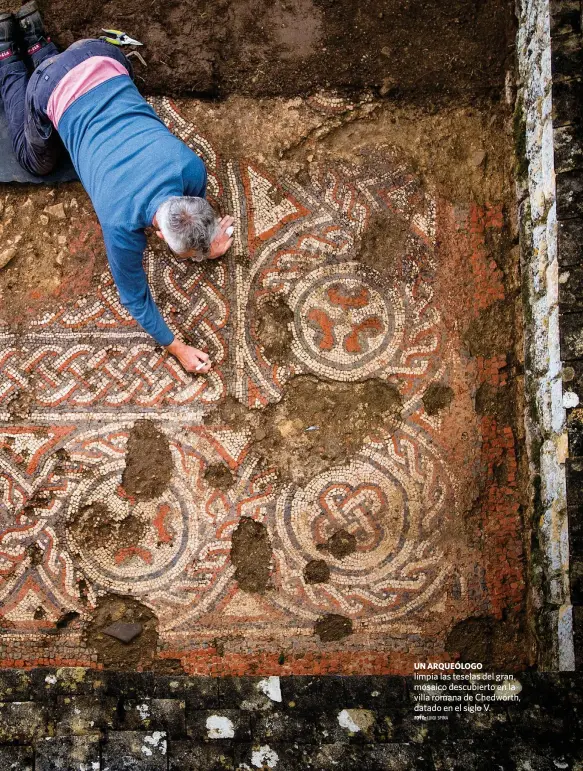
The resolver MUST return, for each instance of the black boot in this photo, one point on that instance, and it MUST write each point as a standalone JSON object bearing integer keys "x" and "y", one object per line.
{"x": 8, "y": 35}
{"x": 32, "y": 28}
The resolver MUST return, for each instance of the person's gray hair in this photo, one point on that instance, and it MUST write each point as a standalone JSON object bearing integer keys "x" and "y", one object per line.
{"x": 187, "y": 222}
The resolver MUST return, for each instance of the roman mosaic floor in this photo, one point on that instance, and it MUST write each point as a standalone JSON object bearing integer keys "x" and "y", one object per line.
{"x": 388, "y": 495}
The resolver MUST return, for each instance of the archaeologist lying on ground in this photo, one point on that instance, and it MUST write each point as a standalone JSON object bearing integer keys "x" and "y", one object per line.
{"x": 136, "y": 172}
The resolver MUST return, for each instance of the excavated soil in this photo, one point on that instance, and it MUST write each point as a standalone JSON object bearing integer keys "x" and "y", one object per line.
{"x": 54, "y": 249}
{"x": 385, "y": 243}
{"x": 95, "y": 525}
{"x": 219, "y": 476}
{"x": 437, "y": 397}
{"x": 333, "y": 627}
{"x": 273, "y": 330}
{"x": 113, "y": 654}
{"x": 487, "y": 335}
{"x": 315, "y": 425}
{"x": 339, "y": 545}
{"x": 149, "y": 463}
{"x": 316, "y": 572}
{"x": 418, "y": 49}
{"x": 251, "y": 555}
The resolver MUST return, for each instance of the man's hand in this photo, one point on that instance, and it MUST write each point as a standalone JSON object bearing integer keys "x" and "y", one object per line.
{"x": 191, "y": 358}
{"x": 223, "y": 240}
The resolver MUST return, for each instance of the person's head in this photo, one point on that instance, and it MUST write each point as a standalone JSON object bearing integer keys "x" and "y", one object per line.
{"x": 187, "y": 224}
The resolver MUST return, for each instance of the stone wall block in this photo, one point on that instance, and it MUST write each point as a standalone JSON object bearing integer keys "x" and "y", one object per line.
{"x": 197, "y": 692}
{"x": 570, "y": 244}
{"x": 133, "y": 685}
{"x": 68, "y": 752}
{"x": 135, "y": 751}
{"x": 248, "y": 693}
{"x": 553, "y": 481}
{"x": 167, "y": 715}
{"x": 576, "y": 574}
{"x": 578, "y": 636}
{"x": 219, "y": 725}
{"x": 574, "y": 481}
{"x": 285, "y": 728}
{"x": 79, "y": 715}
{"x": 15, "y": 685}
{"x": 66, "y": 681}
{"x": 565, "y": 17}
{"x": 192, "y": 756}
{"x": 22, "y": 722}
{"x": 569, "y": 195}
{"x": 571, "y": 336}
{"x": 568, "y": 148}
{"x": 571, "y": 288}
{"x": 16, "y": 758}
{"x": 567, "y": 57}
{"x": 573, "y": 375}
{"x": 567, "y": 101}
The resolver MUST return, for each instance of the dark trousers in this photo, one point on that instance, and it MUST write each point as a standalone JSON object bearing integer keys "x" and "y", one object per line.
{"x": 25, "y": 97}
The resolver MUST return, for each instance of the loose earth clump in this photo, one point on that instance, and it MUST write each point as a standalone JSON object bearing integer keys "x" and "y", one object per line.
{"x": 333, "y": 627}
{"x": 384, "y": 243}
{"x": 437, "y": 397}
{"x": 140, "y": 653}
{"x": 219, "y": 476}
{"x": 251, "y": 555}
{"x": 316, "y": 572}
{"x": 272, "y": 329}
{"x": 149, "y": 463}
{"x": 319, "y": 424}
{"x": 340, "y": 544}
{"x": 94, "y": 526}
{"x": 234, "y": 415}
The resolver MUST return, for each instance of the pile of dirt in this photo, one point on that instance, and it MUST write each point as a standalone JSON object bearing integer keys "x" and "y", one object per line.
{"x": 491, "y": 331}
{"x": 218, "y": 475}
{"x": 94, "y": 526}
{"x": 272, "y": 329}
{"x": 149, "y": 463}
{"x": 316, "y": 572}
{"x": 112, "y": 653}
{"x": 340, "y": 544}
{"x": 316, "y": 424}
{"x": 51, "y": 250}
{"x": 333, "y": 627}
{"x": 418, "y": 49}
{"x": 251, "y": 555}
{"x": 437, "y": 397}
{"x": 384, "y": 244}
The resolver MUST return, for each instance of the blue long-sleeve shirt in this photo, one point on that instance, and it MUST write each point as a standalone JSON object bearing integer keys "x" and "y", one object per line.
{"x": 129, "y": 163}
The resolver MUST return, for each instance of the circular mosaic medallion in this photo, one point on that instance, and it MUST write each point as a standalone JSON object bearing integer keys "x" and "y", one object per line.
{"x": 346, "y": 324}
{"x": 376, "y": 523}
{"x": 130, "y": 545}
